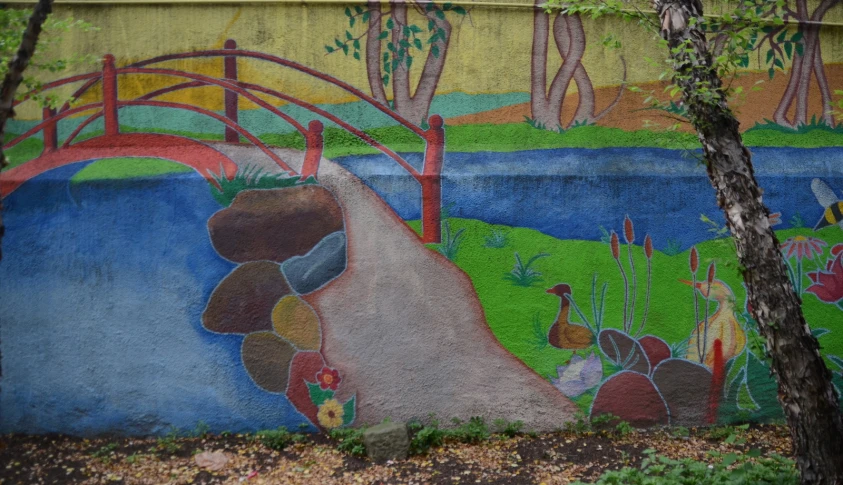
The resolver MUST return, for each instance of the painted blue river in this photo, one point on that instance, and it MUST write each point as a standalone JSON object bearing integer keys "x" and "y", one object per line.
{"x": 572, "y": 193}
{"x": 104, "y": 283}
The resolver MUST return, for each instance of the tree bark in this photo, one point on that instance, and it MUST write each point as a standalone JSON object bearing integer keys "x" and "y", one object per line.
{"x": 13, "y": 79}
{"x": 806, "y": 393}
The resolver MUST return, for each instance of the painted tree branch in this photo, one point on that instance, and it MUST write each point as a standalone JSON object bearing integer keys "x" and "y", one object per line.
{"x": 14, "y": 77}
{"x": 807, "y": 396}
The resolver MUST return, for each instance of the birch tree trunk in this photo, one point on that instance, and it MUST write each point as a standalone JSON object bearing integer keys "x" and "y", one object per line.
{"x": 806, "y": 394}
{"x": 14, "y": 77}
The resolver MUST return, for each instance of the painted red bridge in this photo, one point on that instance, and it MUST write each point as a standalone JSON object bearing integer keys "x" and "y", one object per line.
{"x": 195, "y": 153}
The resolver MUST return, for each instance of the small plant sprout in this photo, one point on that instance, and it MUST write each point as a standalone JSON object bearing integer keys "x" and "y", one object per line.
{"x": 539, "y": 333}
{"x": 673, "y": 247}
{"x": 497, "y": 239}
{"x": 648, "y": 252}
{"x": 629, "y": 237}
{"x": 616, "y": 255}
{"x": 450, "y": 245}
{"x": 251, "y": 177}
{"x": 523, "y": 274}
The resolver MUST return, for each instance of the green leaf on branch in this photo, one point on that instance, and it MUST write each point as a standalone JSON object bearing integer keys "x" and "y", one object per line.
{"x": 390, "y": 23}
{"x": 348, "y": 35}
{"x": 356, "y": 44}
{"x": 357, "y": 55}
{"x": 458, "y": 10}
{"x": 383, "y": 35}
{"x": 418, "y": 43}
{"x": 434, "y": 49}
{"x": 347, "y": 12}
{"x": 348, "y": 411}
{"x": 385, "y": 79}
{"x": 329, "y": 49}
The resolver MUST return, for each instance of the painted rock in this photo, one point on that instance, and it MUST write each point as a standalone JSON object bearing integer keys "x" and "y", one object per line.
{"x": 685, "y": 387}
{"x": 655, "y": 348}
{"x": 275, "y": 224}
{"x": 267, "y": 358}
{"x": 633, "y": 398}
{"x": 624, "y": 351}
{"x": 322, "y": 264}
{"x": 304, "y": 368}
{"x": 294, "y": 320}
{"x": 243, "y": 301}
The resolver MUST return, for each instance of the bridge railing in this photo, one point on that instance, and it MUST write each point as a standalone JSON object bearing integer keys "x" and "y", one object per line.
{"x": 429, "y": 178}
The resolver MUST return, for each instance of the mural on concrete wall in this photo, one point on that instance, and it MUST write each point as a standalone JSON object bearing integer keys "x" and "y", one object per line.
{"x": 267, "y": 254}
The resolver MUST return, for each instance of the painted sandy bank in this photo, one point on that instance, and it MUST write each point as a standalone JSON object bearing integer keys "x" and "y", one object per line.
{"x": 270, "y": 232}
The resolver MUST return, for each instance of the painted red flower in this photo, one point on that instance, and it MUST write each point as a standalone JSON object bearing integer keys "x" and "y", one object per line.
{"x": 328, "y": 378}
{"x": 828, "y": 284}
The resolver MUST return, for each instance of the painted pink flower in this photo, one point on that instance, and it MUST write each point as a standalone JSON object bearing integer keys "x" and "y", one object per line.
{"x": 828, "y": 284}
{"x": 328, "y": 378}
{"x": 802, "y": 247}
{"x": 579, "y": 375}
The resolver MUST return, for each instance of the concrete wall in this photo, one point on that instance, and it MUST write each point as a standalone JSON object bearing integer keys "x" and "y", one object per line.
{"x": 161, "y": 270}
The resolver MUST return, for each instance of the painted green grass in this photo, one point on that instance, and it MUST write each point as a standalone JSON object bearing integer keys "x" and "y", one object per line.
{"x": 488, "y": 137}
{"x": 124, "y": 168}
{"x": 510, "y": 309}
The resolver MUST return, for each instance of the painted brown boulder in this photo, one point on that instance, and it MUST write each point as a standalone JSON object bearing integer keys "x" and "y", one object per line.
{"x": 624, "y": 351}
{"x": 242, "y": 302}
{"x": 633, "y": 398}
{"x": 267, "y": 358}
{"x": 685, "y": 387}
{"x": 275, "y": 224}
{"x": 655, "y": 348}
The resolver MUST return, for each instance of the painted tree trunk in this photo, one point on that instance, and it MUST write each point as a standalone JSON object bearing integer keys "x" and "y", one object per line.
{"x": 14, "y": 77}
{"x": 546, "y": 103}
{"x": 373, "y": 52}
{"x": 415, "y": 107}
{"x": 807, "y": 66}
{"x": 805, "y": 391}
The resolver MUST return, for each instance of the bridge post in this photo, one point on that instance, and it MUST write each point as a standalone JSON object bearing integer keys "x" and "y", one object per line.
{"x": 431, "y": 181}
{"x": 314, "y": 143}
{"x": 109, "y": 95}
{"x": 230, "y": 73}
{"x": 51, "y": 135}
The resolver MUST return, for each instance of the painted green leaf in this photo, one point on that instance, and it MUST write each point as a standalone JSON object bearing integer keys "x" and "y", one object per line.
{"x": 345, "y": 49}
{"x": 796, "y": 37}
{"x": 389, "y": 23}
{"x": 338, "y": 43}
{"x": 385, "y": 79}
{"x": 317, "y": 395}
{"x": 358, "y": 9}
{"x": 770, "y": 55}
{"x": 347, "y": 12}
{"x": 771, "y": 72}
{"x": 800, "y": 48}
{"x": 348, "y": 411}
{"x": 365, "y": 17}
{"x": 415, "y": 29}
{"x": 459, "y": 10}
{"x": 780, "y": 37}
{"x": 417, "y": 42}
{"x": 383, "y": 35}
{"x": 745, "y": 400}
{"x": 409, "y": 60}
{"x": 357, "y": 55}
{"x": 385, "y": 58}
{"x": 447, "y": 6}
{"x": 819, "y": 332}
{"x": 440, "y": 14}
{"x": 390, "y": 46}
{"x": 351, "y": 21}
{"x": 348, "y": 35}
{"x": 788, "y": 49}
{"x": 387, "y": 66}
{"x": 434, "y": 49}
{"x": 329, "y": 49}
{"x": 778, "y": 63}
{"x": 431, "y": 25}
{"x": 406, "y": 31}
{"x": 357, "y": 44}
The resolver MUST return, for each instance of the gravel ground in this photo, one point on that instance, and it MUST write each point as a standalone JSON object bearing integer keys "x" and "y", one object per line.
{"x": 555, "y": 458}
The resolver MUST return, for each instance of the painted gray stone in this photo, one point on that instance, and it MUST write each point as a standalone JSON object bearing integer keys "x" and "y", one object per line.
{"x": 387, "y": 441}
{"x": 323, "y": 263}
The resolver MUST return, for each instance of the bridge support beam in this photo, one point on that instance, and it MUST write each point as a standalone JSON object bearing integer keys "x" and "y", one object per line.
{"x": 431, "y": 181}
{"x": 230, "y": 73}
{"x": 109, "y": 95}
{"x": 313, "y": 152}
{"x": 51, "y": 132}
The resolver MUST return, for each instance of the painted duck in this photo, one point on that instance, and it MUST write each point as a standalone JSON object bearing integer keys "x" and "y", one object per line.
{"x": 722, "y": 325}
{"x": 563, "y": 334}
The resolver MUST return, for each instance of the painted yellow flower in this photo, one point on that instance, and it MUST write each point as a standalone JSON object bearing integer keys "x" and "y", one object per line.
{"x": 330, "y": 414}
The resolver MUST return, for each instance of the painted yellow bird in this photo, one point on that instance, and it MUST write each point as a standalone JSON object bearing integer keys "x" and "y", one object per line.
{"x": 722, "y": 325}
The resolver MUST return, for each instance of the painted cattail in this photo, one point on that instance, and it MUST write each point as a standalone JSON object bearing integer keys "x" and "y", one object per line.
{"x": 648, "y": 246}
{"x": 694, "y": 260}
{"x": 628, "y": 230}
{"x": 616, "y": 248}
{"x": 710, "y": 273}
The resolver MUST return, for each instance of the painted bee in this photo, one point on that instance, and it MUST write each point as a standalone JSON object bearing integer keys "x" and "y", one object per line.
{"x": 833, "y": 205}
